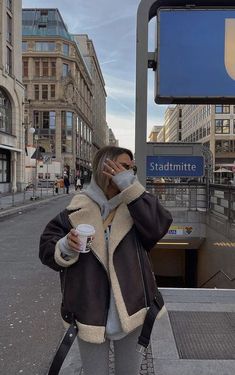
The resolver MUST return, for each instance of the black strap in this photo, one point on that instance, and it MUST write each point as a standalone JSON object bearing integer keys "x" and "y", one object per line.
{"x": 63, "y": 349}
{"x": 150, "y": 317}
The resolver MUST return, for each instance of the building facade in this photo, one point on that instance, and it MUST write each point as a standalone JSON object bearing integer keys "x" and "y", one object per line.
{"x": 11, "y": 98}
{"x": 213, "y": 126}
{"x": 59, "y": 92}
{"x": 153, "y": 136}
{"x": 173, "y": 124}
{"x": 99, "y": 94}
{"x": 113, "y": 141}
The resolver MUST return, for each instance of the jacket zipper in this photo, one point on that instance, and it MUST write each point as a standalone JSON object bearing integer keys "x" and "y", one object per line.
{"x": 142, "y": 278}
{"x": 107, "y": 309}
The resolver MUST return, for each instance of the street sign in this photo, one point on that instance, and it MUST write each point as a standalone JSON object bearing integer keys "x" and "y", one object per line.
{"x": 196, "y": 56}
{"x": 175, "y": 166}
{"x": 47, "y": 159}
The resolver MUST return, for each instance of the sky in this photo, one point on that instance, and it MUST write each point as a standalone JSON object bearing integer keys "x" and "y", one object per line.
{"x": 112, "y": 27}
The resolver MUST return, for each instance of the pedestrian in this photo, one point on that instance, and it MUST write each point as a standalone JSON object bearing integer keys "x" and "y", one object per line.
{"x": 104, "y": 288}
{"x": 78, "y": 184}
{"x": 66, "y": 183}
{"x": 57, "y": 185}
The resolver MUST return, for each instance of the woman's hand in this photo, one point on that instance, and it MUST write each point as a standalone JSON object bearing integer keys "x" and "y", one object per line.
{"x": 112, "y": 168}
{"x": 73, "y": 240}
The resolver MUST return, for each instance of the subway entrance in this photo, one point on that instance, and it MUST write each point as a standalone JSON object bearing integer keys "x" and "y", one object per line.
{"x": 175, "y": 268}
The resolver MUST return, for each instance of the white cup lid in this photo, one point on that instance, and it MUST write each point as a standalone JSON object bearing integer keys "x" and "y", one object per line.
{"x": 85, "y": 230}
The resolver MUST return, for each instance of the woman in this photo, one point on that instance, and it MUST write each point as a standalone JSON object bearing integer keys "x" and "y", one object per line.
{"x": 103, "y": 288}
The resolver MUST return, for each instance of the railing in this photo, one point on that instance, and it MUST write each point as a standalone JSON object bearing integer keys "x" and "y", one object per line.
{"x": 17, "y": 199}
{"x": 217, "y": 199}
{"x": 222, "y": 201}
{"x": 181, "y": 196}
{"x": 220, "y": 272}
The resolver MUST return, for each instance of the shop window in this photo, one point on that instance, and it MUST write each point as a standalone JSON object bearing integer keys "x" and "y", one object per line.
{"x": 4, "y": 166}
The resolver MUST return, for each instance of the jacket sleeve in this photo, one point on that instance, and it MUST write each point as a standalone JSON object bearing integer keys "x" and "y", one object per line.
{"x": 151, "y": 219}
{"x": 54, "y": 231}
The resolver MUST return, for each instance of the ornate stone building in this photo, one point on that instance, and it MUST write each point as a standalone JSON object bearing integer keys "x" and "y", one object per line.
{"x": 59, "y": 91}
{"x": 11, "y": 98}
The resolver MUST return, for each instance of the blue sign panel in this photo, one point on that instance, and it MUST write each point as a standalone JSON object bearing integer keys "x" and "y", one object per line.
{"x": 175, "y": 166}
{"x": 196, "y": 54}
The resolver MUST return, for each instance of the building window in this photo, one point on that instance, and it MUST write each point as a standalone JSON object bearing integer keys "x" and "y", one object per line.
{"x": 65, "y": 49}
{"x": 52, "y": 91}
{"x": 36, "y": 92}
{"x": 45, "y": 69}
{"x": 44, "y": 120}
{"x": 53, "y": 68}
{"x": 24, "y": 46}
{"x": 4, "y": 166}
{"x": 224, "y": 146}
{"x": 66, "y": 132}
{"x": 9, "y": 61}
{"x": 69, "y": 120}
{"x": 5, "y": 113}
{"x": 44, "y": 91}
{"x": 222, "y": 126}
{"x": 45, "y": 46}
{"x": 65, "y": 71}
{"x": 25, "y": 68}
{"x": 52, "y": 120}
{"x": 9, "y": 4}
{"x": 9, "y": 28}
{"x": 222, "y": 108}
{"x": 26, "y": 91}
{"x": 37, "y": 68}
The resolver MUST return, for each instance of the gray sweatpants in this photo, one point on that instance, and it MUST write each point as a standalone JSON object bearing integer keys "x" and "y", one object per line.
{"x": 95, "y": 357}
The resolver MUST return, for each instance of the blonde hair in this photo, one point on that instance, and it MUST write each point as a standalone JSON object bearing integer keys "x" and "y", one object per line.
{"x": 107, "y": 152}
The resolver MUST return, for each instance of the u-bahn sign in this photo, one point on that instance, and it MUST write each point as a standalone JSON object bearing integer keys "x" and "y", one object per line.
{"x": 175, "y": 166}
{"x": 175, "y": 160}
{"x": 196, "y": 55}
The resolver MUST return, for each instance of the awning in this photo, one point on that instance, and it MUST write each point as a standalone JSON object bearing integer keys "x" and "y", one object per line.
{"x": 10, "y": 148}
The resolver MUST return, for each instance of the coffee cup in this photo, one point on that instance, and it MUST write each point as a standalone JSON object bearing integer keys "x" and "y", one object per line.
{"x": 86, "y": 233}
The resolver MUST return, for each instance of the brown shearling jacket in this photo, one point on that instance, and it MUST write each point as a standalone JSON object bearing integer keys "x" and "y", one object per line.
{"x": 86, "y": 279}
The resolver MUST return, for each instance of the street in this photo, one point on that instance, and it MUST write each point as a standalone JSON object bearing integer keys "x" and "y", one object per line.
{"x": 30, "y": 322}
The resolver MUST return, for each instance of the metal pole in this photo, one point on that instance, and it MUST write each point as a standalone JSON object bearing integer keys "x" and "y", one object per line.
{"x": 143, "y": 16}
{"x": 47, "y": 177}
{"x": 141, "y": 91}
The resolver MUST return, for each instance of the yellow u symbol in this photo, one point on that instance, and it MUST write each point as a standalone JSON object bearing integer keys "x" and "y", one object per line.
{"x": 229, "y": 47}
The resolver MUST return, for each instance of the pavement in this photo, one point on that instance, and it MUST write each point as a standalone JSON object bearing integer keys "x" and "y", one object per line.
{"x": 195, "y": 336}
{"x": 13, "y": 203}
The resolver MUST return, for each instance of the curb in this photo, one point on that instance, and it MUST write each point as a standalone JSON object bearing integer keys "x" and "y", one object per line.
{"x": 28, "y": 206}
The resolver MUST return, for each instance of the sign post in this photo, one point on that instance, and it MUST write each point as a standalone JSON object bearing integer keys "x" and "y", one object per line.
{"x": 146, "y": 11}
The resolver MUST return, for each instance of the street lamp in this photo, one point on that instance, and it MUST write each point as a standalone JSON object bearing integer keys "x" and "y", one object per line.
{"x": 35, "y": 137}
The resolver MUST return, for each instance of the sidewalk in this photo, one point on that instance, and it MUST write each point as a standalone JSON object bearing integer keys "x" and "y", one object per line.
{"x": 196, "y": 336}
{"x": 18, "y": 202}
